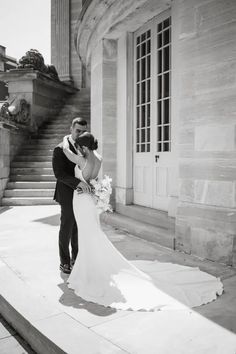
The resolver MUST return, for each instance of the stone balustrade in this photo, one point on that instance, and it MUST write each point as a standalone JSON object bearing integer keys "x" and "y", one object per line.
{"x": 44, "y": 97}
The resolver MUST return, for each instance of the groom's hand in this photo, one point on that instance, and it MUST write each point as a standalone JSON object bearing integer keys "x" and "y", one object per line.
{"x": 83, "y": 188}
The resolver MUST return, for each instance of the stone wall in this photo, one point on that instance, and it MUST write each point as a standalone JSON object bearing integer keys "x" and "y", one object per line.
{"x": 10, "y": 143}
{"x": 206, "y": 216}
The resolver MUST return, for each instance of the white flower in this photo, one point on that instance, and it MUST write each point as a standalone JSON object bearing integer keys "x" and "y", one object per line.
{"x": 102, "y": 190}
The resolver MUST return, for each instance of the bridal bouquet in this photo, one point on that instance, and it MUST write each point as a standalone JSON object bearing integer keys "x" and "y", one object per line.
{"x": 102, "y": 190}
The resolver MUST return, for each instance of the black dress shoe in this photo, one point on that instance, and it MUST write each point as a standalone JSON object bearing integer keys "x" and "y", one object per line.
{"x": 65, "y": 268}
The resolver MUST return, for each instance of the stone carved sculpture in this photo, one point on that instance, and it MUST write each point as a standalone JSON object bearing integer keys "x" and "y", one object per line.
{"x": 34, "y": 60}
{"x": 15, "y": 110}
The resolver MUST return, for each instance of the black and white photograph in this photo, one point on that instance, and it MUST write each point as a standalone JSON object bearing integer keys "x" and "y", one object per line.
{"x": 118, "y": 177}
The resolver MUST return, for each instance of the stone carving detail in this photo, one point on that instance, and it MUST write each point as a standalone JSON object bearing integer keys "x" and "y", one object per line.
{"x": 16, "y": 110}
{"x": 34, "y": 60}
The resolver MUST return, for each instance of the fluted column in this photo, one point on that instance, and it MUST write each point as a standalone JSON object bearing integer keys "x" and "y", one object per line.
{"x": 60, "y": 32}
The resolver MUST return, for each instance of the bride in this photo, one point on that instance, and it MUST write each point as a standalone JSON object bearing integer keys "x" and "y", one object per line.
{"x": 103, "y": 276}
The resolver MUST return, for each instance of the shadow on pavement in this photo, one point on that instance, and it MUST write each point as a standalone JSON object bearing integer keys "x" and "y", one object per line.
{"x": 69, "y": 298}
{"x": 53, "y": 220}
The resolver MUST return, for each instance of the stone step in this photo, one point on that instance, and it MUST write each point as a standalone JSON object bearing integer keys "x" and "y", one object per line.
{"x": 36, "y": 152}
{"x": 40, "y": 141}
{"x": 150, "y": 216}
{"x": 31, "y": 164}
{"x": 32, "y": 158}
{"x": 48, "y": 135}
{"x": 39, "y": 148}
{"x": 28, "y": 201}
{"x": 50, "y": 130}
{"x": 31, "y": 185}
{"x": 140, "y": 229}
{"x": 31, "y": 177}
{"x": 28, "y": 192}
{"x": 31, "y": 170}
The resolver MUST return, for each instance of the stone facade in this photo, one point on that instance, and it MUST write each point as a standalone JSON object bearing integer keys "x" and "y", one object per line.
{"x": 206, "y": 215}
{"x": 202, "y": 193}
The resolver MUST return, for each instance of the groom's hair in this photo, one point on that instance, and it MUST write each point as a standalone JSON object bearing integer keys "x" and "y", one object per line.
{"x": 78, "y": 120}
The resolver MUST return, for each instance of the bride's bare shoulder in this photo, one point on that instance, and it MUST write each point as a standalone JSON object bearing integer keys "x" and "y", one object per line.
{"x": 98, "y": 155}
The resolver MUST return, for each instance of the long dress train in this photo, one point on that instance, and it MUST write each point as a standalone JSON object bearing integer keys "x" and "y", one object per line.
{"x": 103, "y": 276}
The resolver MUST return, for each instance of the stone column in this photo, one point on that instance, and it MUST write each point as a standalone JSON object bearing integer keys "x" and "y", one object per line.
{"x": 206, "y": 213}
{"x": 60, "y": 38}
{"x": 124, "y": 181}
{"x": 103, "y": 103}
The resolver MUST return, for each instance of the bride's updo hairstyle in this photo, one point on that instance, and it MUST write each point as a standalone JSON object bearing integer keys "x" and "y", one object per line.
{"x": 88, "y": 140}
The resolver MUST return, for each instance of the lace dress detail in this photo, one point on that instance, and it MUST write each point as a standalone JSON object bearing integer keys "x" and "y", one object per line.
{"x": 101, "y": 274}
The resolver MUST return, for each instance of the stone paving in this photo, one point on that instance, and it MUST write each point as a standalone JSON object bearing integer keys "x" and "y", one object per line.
{"x": 11, "y": 342}
{"x": 34, "y": 287}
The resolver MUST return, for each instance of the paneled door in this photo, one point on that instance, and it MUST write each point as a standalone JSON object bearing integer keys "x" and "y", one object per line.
{"x": 152, "y": 118}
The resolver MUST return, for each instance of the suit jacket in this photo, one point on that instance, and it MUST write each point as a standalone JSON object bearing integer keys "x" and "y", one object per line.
{"x": 64, "y": 172}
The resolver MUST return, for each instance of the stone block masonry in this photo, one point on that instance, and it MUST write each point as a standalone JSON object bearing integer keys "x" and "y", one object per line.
{"x": 206, "y": 214}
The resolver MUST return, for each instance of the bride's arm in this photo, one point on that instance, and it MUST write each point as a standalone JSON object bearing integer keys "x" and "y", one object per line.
{"x": 77, "y": 159}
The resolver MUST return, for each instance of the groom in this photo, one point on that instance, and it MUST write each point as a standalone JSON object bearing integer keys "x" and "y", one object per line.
{"x": 66, "y": 184}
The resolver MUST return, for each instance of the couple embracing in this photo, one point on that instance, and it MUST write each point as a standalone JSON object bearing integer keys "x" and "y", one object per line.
{"x": 97, "y": 271}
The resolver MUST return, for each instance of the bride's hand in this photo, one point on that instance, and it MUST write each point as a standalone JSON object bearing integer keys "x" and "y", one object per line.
{"x": 83, "y": 188}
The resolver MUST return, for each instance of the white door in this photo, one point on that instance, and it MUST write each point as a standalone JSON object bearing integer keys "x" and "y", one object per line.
{"x": 153, "y": 158}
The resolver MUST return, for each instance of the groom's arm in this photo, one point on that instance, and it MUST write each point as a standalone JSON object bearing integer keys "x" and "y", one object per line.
{"x": 58, "y": 165}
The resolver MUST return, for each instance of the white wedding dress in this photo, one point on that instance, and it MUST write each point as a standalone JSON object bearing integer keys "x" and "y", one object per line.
{"x": 103, "y": 276}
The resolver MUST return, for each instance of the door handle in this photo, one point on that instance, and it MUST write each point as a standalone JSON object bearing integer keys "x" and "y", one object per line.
{"x": 156, "y": 158}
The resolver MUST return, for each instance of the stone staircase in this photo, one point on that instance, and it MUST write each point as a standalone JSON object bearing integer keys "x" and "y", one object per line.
{"x": 31, "y": 180}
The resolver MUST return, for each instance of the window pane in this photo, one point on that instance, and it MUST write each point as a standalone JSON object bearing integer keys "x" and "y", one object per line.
{"x": 138, "y": 40}
{"x": 159, "y": 134}
{"x": 143, "y": 37}
{"x": 137, "y": 118}
{"x": 166, "y": 85}
{"x": 143, "y": 49}
{"x": 159, "y": 113}
{"x": 166, "y": 147}
{"x": 138, "y": 93}
{"x": 159, "y": 27}
{"x": 148, "y": 34}
{"x": 148, "y": 135}
{"x": 166, "y": 133}
{"x": 159, "y": 147}
{"x": 143, "y": 92}
{"x": 138, "y": 70}
{"x": 142, "y": 147}
{"x": 166, "y": 23}
{"x": 137, "y": 148}
{"x": 137, "y": 136}
{"x": 142, "y": 135}
{"x": 143, "y": 117}
{"x": 166, "y": 37}
{"x": 166, "y": 115}
{"x": 143, "y": 68}
{"x": 138, "y": 52}
{"x": 166, "y": 54}
{"x": 148, "y": 115}
{"x": 159, "y": 86}
{"x": 148, "y": 147}
{"x": 159, "y": 40}
{"x": 148, "y": 91}
{"x": 148, "y": 46}
{"x": 159, "y": 61}
{"x": 148, "y": 66}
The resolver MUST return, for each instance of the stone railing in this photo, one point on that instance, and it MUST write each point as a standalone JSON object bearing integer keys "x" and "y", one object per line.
{"x": 35, "y": 95}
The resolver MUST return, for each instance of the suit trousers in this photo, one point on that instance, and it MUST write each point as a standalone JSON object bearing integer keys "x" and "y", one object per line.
{"x": 68, "y": 235}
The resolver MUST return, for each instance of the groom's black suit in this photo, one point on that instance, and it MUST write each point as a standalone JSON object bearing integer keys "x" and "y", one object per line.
{"x": 65, "y": 186}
